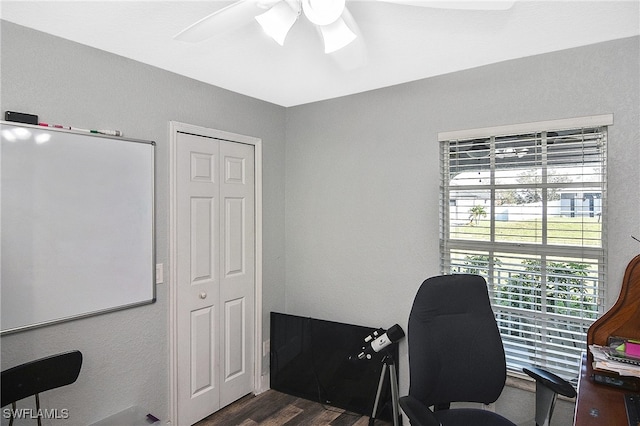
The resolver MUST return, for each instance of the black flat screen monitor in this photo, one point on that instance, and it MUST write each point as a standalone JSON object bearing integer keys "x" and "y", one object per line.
{"x": 310, "y": 358}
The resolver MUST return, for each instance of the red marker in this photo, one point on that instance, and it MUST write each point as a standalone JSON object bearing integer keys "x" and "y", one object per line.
{"x": 57, "y": 126}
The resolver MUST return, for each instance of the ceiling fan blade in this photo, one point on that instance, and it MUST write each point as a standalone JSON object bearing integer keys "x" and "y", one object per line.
{"x": 228, "y": 18}
{"x": 336, "y": 35}
{"x": 354, "y": 54}
{"x": 458, "y": 4}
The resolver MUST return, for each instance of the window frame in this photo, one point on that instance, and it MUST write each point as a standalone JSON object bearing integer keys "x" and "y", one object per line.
{"x": 447, "y": 244}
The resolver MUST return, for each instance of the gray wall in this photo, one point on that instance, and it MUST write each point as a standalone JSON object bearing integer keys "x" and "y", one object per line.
{"x": 126, "y": 353}
{"x": 362, "y": 174}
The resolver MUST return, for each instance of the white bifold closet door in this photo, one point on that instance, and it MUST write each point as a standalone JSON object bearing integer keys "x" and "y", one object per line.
{"x": 215, "y": 276}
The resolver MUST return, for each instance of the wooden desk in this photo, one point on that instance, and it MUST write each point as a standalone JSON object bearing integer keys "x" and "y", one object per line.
{"x": 602, "y": 405}
{"x": 596, "y": 404}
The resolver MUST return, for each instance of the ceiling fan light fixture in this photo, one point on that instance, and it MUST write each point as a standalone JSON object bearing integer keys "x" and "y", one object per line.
{"x": 336, "y": 35}
{"x": 278, "y": 20}
{"x": 323, "y": 12}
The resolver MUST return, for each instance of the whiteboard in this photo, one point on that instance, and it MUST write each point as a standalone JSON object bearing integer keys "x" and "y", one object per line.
{"x": 77, "y": 225}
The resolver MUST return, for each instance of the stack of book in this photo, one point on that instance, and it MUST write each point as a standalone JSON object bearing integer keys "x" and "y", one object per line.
{"x": 616, "y": 361}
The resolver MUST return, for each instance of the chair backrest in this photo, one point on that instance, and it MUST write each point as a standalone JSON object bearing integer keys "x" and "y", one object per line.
{"x": 40, "y": 375}
{"x": 455, "y": 349}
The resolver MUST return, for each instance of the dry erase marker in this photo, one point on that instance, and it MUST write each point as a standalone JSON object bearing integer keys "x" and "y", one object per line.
{"x": 102, "y": 132}
{"x": 57, "y": 126}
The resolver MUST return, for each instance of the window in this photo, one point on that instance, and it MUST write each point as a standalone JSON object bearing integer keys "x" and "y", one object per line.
{"x": 525, "y": 207}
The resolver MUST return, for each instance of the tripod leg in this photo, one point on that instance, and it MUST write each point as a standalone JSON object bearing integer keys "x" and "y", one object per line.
{"x": 375, "y": 405}
{"x": 394, "y": 394}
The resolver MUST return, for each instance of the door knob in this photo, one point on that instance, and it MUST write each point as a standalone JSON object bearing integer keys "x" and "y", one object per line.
{"x": 203, "y": 295}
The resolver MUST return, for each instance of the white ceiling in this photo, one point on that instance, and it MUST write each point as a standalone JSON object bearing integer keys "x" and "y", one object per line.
{"x": 403, "y": 43}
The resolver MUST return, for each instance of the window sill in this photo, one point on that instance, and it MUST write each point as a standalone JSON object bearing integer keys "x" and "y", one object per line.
{"x": 523, "y": 382}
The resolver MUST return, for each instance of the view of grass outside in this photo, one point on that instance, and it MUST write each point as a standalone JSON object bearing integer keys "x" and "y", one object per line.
{"x": 560, "y": 231}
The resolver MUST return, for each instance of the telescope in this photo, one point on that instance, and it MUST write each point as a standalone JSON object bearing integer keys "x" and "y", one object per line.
{"x": 377, "y": 341}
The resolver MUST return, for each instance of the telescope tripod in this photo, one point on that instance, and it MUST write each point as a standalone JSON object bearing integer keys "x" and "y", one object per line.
{"x": 388, "y": 363}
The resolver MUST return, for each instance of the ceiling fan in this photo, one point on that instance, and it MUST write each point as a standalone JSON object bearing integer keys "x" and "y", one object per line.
{"x": 331, "y": 17}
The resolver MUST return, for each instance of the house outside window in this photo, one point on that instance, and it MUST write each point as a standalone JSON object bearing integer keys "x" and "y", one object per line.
{"x": 525, "y": 207}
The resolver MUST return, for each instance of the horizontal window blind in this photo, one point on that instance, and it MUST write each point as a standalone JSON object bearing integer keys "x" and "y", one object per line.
{"x": 527, "y": 212}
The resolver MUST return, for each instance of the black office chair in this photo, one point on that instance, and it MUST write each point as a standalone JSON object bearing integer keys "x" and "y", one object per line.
{"x": 38, "y": 376}
{"x": 456, "y": 355}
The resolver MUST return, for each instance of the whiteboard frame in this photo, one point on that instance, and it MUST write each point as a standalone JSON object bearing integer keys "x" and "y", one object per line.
{"x": 26, "y": 327}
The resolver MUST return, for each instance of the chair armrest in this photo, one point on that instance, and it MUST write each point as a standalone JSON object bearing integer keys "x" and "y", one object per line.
{"x": 550, "y": 380}
{"x": 418, "y": 413}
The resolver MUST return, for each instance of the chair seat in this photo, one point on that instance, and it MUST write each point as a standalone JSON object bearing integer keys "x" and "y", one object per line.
{"x": 471, "y": 416}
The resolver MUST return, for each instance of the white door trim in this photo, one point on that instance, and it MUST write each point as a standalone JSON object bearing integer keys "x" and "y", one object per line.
{"x": 175, "y": 128}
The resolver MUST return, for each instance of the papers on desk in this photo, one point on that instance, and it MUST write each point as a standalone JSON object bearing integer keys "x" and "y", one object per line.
{"x": 602, "y": 362}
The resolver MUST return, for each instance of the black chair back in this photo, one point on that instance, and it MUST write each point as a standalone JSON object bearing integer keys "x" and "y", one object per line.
{"x": 40, "y": 375}
{"x": 455, "y": 349}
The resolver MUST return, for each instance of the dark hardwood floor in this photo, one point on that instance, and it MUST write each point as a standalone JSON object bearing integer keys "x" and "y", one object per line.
{"x": 273, "y": 408}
